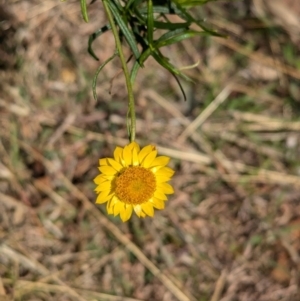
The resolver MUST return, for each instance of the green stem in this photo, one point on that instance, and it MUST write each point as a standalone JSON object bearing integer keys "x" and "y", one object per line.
{"x": 125, "y": 70}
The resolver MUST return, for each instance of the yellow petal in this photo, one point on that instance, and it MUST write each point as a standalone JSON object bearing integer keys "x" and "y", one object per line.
{"x": 114, "y": 200}
{"x": 127, "y": 155}
{"x": 107, "y": 170}
{"x": 145, "y": 151}
{"x": 135, "y": 157}
{"x": 148, "y": 209}
{"x": 138, "y": 210}
{"x": 111, "y": 203}
{"x": 160, "y": 195}
{"x": 103, "y": 161}
{"x": 97, "y": 189}
{"x": 166, "y": 188}
{"x": 118, "y": 154}
{"x": 103, "y": 197}
{"x": 158, "y": 204}
{"x": 149, "y": 159}
{"x": 116, "y": 165}
{"x": 160, "y": 161}
{"x": 155, "y": 168}
{"x": 110, "y": 207}
{"x": 104, "y": 186}
{"x": 126, "y": 214}
{"x": 108, "y": 178}
{"x": 99, "y": 179}
{"x": 119, "y": 207}
{"x": 165, "y": 171}
{"x": 162, "y": 179}
{"x": 135, "y": 146}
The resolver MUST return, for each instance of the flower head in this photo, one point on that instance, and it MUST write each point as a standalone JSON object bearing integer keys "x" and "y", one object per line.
{"x": 134, "y": 180}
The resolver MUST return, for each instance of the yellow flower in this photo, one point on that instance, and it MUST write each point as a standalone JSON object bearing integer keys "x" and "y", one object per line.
{"x": 134, "y": 180}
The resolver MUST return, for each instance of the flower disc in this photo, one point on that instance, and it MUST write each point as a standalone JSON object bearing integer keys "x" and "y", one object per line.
{"x": 136, "y": 185}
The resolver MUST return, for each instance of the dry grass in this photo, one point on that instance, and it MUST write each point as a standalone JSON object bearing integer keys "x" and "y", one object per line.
{"x": 232, "y": 229}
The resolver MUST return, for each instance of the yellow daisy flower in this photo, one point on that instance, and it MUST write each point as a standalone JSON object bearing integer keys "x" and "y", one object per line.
{"x": 134, "y": 180}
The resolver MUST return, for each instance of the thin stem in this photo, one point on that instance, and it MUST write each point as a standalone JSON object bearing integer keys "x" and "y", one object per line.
{"x": 125, "y": 70}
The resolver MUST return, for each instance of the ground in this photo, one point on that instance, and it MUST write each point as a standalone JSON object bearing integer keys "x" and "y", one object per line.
{"x": 230, "y": 232}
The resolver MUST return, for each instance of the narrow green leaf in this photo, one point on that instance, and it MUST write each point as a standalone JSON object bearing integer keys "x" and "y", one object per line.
{"x": 118, "y": 5}
{"x": 150, "y": 21}
{"x": 125, "y": 30}
{"x": 176, "y": 9}
{"x": 98, "y": 71}
{"x": 144, "y": 56}
{"x": 171, "y": 26}
{"x": 192, "y": 3}
{"x": 170, "y": 34}
{"x": 138, "y": 64}
{"x": 164, "y": 62}
{"x": 180, "y": 86}
{"x": 186, "y": 16}
{"x": 157, "y": 9}
{"x": 93, "y": 37}
{"x": 84, "y": 10}
{"x": 134, "y": 72}
{"x": 128, "y": 4}
{"x": 170, "y": 9}
{"x": 178, "y": 37}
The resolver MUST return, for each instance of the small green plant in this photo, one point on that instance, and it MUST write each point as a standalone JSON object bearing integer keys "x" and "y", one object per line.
{"x": 136, "y": 21}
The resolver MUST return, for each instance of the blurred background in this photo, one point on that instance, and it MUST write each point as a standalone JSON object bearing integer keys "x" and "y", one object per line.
{"x": 230, "y": 232}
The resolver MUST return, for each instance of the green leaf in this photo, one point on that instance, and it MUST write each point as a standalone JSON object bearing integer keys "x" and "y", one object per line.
{"x": 134, "y": 72}
{"x": 192, "y": 3}
{"x": 84, "y": 10}
{"x": 177, "y": 36}
{"x": 125, "y": 30}
{"x": 97, "y": 73}
{"x": 93, "y": 37}
{"x": 135, "y": 3}
{"x": 170, "y": 34}
{"x": 186, "y": 16}
{"x": 138, "y": 20}
{"x": 164, "y": 62}
{"x": 150, "y": 21}
{"x": 171, "y": 26}
{"x": 118, "y": 4}
{"x": 138, "y": 64}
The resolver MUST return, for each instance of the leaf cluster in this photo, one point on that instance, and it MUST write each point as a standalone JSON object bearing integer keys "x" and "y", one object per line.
{"x": 138, "y": 20}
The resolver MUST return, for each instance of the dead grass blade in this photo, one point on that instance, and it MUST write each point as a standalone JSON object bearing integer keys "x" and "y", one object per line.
{"x": 191, "y": 128}
{"x": 23, "y": 287}
{"x": 266, "y": 123}
{"x": 244, "y": 143}
{"x": 259, "y": 57}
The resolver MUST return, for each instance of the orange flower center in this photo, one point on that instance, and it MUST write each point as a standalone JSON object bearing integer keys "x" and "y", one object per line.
{"x": 136, "y": 185}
